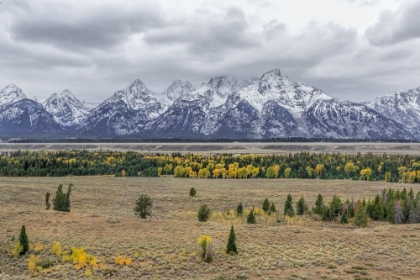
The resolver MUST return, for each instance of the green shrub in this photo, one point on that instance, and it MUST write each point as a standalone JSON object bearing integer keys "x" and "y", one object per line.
{"x": 61, "y": 202}
{"x": 266, "y": 205}
{"x": 193, "y": 192}
{"x": 251, "y": 217}
{"x": 239, "y": 209}
{"x": 203, "y": 213}
{"x": 231, "y": 246}
{"x": 144, "y": 206}
{"x": 288, "y": 207}
{"x": 23, "y": 241}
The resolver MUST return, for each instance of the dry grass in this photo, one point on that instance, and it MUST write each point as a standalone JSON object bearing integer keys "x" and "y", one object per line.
{"x": 102, "y": 221}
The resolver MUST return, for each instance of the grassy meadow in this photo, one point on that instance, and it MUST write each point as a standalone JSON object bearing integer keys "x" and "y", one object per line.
{"x": 165, "y": 246}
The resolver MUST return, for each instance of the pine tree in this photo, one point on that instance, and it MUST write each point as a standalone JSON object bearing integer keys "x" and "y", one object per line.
{"x": 23, "y": 240}
{"x": 231, "y": 246}
{"x": 319, "y": 204}
{"x": 203, "y": 213}
{"x": 251, "y": 217}
{"x": 344, "y": 219}
{"x": 272, "y": 209}
{"x": 360, "y": 218}
{"x": 288, "y": 207}
{"x": 61, "y": 202}
{"x": 192, "y": 192}
{"x": 266, "y": 205}
{"x": 144, "y": 206}
{"x": 239, "y": 209}
{"x": 301, "y": 207}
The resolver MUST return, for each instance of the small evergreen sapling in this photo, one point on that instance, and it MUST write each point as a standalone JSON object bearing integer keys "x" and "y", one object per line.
{"x": 23, "y": 240}
{"x": 301, "y": 207}
{"x": 344, "y": 219}
{"x": 193, "y": 192}
{"x": 239, "y": 209}
{"x": 231, "y": 246}
{"x": 266, "y": 205}
{"x": 203, "y": 213}
{"x": 144, "y": 206}
{"x": 251, "y": 217}
{"x": 288, "y": 207}
{"x": 61, "y": 202}
{"x": 319, "y": 205}
{"x": 272, "y": 209}
{"x": 360, "y": 218}
{"x": 47, "y": 201}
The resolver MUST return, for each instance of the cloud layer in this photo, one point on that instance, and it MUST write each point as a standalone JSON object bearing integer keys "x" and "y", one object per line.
{"x": 97, "y": 47}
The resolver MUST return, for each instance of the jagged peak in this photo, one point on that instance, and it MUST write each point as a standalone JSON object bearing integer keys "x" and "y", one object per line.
{"x": 275, "y": 73}
{"x": 12, "y": 88}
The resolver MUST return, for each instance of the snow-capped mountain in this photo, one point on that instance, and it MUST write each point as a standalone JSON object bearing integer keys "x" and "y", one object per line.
{"x": 67, "y": 110}
{"x": 11, "y": 94}
{"x": 27, "y": 117}
{"x": 266, "y": 107}
{"x": 400, "y": 106}
{"x": 126, "y": 112}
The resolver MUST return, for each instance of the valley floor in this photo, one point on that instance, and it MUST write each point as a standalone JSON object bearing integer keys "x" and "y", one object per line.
{"x": 165, "y": 246}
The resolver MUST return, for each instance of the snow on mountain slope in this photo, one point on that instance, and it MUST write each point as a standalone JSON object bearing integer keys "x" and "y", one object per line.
{"x": 11, "y": 94}
{"x": 214, "y": 92}
{"x": 174, "y": 91}
{"x": 401, "y": 106}
{"x": 27, "y": 117}
{"x": 67, "y": 110}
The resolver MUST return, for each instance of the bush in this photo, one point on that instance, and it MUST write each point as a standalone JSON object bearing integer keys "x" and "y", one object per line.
{"x": 344, "y": 219}
{"x": 203, "y": 213}
{"x": 23, "y": 241}
{"x": 206, "y": 248}
{"x": 319, "y": 205}
{"x": 47, "y": 201}
{"x": 251, "y": 217}
{"x": 61, "y": 202}
{"x": 144, "y": 206}
{"x": 360, "y": 218}
{"x": 193, "y": 192}
{"x": 272, "y": 209}
{"x": 239, "y": 209}
{"x": 266, "y": 205}
{"x": 231, "y": 246}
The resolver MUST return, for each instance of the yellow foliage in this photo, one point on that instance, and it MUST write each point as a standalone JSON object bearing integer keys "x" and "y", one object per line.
{"x": 32, "y": 261}
{"x": 38, "y": 247}
{"x": 80, "y": 258}
{"x": 88, "y": 273}
{"x": 123, "y": 260}
{"x": 203, "y": 238}
{"x": 56, "y": 249}
{"x": 17, "y": 249}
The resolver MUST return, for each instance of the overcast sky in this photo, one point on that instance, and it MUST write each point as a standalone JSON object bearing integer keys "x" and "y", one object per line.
{"x": 351, "y": 49}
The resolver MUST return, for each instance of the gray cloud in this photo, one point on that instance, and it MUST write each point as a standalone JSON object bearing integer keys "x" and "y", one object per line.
{"x": 73, "y": 27}
{"x": 95, "y": 48}
{"x": 396, "y": 27}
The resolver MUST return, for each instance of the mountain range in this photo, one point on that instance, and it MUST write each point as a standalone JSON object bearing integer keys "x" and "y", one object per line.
{"x": 270, "y": 106}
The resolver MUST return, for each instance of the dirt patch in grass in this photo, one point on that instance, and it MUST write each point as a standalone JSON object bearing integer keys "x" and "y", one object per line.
{"x": 164, "y": 246}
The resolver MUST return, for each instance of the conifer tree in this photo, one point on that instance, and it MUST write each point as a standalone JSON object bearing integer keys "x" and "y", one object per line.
{"x": 239, "y": 209}
{"x": 231, "y": 246}
{"x": 203, "y": 213}
{"x": 360, "y": 218}
{"x": 301, "y": 207}
{"x": 266, "y": 205}
{"x": 251, "y": 217}
{"x": 288, "y": 207}
{"x": 23, "y": 240}
{"x": 344, "y": 219}
{"x": 319, "y": 204}
{"x": 61, "y": 202}
{"x": 272, "y": 209}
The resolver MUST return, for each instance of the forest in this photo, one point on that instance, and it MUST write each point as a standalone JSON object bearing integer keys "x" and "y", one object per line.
{"x": 304, "y": 165}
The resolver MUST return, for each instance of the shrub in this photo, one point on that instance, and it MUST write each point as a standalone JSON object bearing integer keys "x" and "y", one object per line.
{"x": 193, "y": 192}
{"x": 80, "y": 258}
{"x": 143, "y": 206}
{"x": 56, "y": 249}
{"x": 206, "y": 248}
{"x": 203, "y": 213}
{"x": 61, "y": 202}
{"x": 231, "y": 246}
{"x": 288, "y": 207}
{"x": 251, "y": 217}
{"x": 23, "y": 240}
{"x": 266, "y": 205}
{"x": 17, "y": 249}
{"x": 319, "y": 205}
{"x": 123, "y": 260}
{"x": 47, "y": 201}
{"x": 239, "y": 209}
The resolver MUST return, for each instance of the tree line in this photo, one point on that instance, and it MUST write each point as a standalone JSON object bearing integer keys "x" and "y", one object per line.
{"x": 305, "y": 165}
